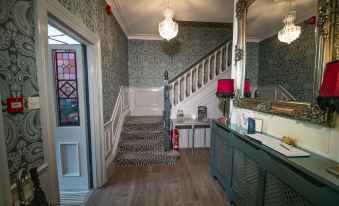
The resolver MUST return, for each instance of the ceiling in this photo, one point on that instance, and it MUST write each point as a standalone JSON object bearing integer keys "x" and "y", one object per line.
{"x": 140, "y": 18}
{"x": 264, "y": 17}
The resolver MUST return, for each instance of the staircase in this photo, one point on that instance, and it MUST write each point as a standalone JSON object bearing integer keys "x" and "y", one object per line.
{"x": 275, "y": 92}
{"x": 197, "y": 84}
{"x": 141, "y": 143}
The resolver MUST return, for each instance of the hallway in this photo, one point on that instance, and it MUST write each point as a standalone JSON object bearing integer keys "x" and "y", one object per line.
{"x": 186, "y": 183}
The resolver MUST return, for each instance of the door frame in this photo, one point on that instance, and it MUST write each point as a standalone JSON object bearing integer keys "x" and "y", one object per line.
{"x": 46, "y": 9}
{"x": 5, "y": 192}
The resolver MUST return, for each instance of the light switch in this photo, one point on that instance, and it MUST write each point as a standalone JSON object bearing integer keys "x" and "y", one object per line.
{"x": 33, "y": 103}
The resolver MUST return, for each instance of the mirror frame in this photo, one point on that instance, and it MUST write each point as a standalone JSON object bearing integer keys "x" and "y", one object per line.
{"x": 327, "y": 50}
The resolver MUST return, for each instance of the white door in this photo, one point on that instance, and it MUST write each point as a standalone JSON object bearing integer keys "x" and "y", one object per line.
{"x": 67, "y": 79}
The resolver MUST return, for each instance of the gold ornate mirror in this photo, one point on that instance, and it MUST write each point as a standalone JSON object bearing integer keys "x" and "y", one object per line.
{"x": 285, "y": 77}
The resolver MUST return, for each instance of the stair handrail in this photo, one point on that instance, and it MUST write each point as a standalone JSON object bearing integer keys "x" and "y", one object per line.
{"x": 200, "y": 60}
{"x": 281, "y": 89}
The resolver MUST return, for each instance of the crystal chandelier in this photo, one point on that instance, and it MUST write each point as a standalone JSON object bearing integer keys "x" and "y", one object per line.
{"x": 290, "y": 32}
{"x": 168, "y": 29}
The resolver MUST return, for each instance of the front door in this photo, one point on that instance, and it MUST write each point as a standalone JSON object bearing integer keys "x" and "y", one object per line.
{"x": 70, "y": 125}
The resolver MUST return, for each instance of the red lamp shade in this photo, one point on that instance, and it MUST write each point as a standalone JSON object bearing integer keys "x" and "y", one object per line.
{"x": 330, "y": 85}
{"x": 247, "y": 88}
{"x": 225, "y": 86}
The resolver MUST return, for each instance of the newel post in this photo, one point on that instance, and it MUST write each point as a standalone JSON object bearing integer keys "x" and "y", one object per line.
{"x": 167, "y": 113}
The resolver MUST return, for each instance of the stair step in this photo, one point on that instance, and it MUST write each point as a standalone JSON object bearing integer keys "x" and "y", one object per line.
{"x": 142, "y": 135}
{"x": 141, "y": 145}
{"x": 125, "y": 159}
{"x": 152, "y": 123}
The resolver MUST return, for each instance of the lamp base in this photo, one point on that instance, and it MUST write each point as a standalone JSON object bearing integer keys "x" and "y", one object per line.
{"x": 328, "y": 103}
{"x": 247, "y": 94}
{"x": 225, "y": 95}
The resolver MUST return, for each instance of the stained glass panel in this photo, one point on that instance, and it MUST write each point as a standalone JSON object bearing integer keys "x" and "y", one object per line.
{"x": 67, "y": 88}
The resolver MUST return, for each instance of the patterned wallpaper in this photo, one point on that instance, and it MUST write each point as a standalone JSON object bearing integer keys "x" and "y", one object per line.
{"x": 148, "y": 59}
{"x": 114, "y": 47}
{"x": 291, "y": 66}
{"x": 252, "y": 62}
{"x": 18, "y": 76}
{"x": 18, "y": 79}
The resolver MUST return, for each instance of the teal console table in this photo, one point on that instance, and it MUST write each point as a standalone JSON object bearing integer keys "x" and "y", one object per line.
{"x": 253, "y": 174}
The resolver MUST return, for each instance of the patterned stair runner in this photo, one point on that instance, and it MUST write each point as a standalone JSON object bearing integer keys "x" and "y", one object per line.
{"x": 141, "y": 143}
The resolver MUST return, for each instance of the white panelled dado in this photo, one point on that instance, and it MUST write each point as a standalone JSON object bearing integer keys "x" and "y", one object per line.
{"x": 112, "y": 130}
{"x": 146, "y": 101}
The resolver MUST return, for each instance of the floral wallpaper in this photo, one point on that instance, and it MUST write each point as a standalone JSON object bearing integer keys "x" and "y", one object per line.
{"x": 18, "y": 76}
{"x": 289, "y": 65}
{"x": 114, "y": 47}
{"x": 148, "y": 59}
{"x": 252, "y": 62}
{"x": 18, "y": 79}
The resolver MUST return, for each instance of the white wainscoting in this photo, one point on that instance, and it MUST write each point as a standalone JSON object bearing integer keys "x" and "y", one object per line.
{"x": 146, "y": 101}
{"x": 112, "y": 130}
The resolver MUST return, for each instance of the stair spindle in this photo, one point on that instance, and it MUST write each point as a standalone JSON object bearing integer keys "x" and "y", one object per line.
{"x": 185, "y": 86}
{"x": 209, "y": 69}
{"x": 172, "y": 95}
{"x": 196, "y": 77}
{"x": 203, "y": 73}
{"x": 220, "y": 61}
{"x": 226, "y": 56}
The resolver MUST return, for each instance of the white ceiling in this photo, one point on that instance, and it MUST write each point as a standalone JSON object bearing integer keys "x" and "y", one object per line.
{"x": 140, "y": 18}
{"x": 264, "y": 17}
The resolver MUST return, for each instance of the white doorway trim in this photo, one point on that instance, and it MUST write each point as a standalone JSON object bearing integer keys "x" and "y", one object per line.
{"x": 5, "y": 194}
{"x": 52, "y": 9}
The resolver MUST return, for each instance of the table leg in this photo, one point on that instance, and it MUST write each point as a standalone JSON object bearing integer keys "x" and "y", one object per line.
{"x": 193, "y": 130}
{"x": 204, "y": 137}
{"x": 188, "y": 138}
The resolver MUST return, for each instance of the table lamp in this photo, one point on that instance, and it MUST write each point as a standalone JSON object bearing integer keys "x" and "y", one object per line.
{"x": 247, "y": 88}
{"x": 328, "y": 98}
{"x": 225, "y": 90}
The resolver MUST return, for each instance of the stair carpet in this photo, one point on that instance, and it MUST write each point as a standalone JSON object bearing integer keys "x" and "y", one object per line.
{"x": 141, "y": 143}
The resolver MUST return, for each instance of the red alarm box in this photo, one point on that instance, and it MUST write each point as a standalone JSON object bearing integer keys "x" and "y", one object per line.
{"x": 15, "y": 105}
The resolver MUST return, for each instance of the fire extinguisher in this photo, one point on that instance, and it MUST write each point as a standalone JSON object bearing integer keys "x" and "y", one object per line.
{"x": 175, "y": 139}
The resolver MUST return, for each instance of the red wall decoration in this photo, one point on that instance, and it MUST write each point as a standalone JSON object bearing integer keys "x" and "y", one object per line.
{"x": 109, "y": 10}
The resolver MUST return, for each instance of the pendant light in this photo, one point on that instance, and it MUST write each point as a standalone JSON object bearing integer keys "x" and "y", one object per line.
{"x": 168, "y": 29}
{"x": 290, "y": 32}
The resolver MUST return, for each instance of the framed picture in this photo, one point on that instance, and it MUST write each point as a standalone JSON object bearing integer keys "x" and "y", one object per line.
{"x": 258, "y": 125}
{"x": 202, "y": 112}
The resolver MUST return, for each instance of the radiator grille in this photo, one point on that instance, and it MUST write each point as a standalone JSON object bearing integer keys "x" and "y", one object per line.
{"x": 223, "y": 157}
{"x": 245, "y": 178}
{"x": 278, "y": 193}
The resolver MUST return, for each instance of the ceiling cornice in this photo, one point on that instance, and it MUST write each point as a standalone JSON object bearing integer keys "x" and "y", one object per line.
{"x": 123, "y": 22}
{"x": 251, "y": 39}
{"x": 120, "y": 16}
{"x": 145, "y": 37}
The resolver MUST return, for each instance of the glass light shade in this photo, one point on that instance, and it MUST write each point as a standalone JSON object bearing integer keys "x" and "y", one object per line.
{"x": 290, "y": 32}
{"x": 168, "y": 29}
{"x": 225, "y": 86}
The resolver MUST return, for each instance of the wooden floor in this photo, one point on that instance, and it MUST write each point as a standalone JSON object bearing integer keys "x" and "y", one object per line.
{"x": 186, "y": 183}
